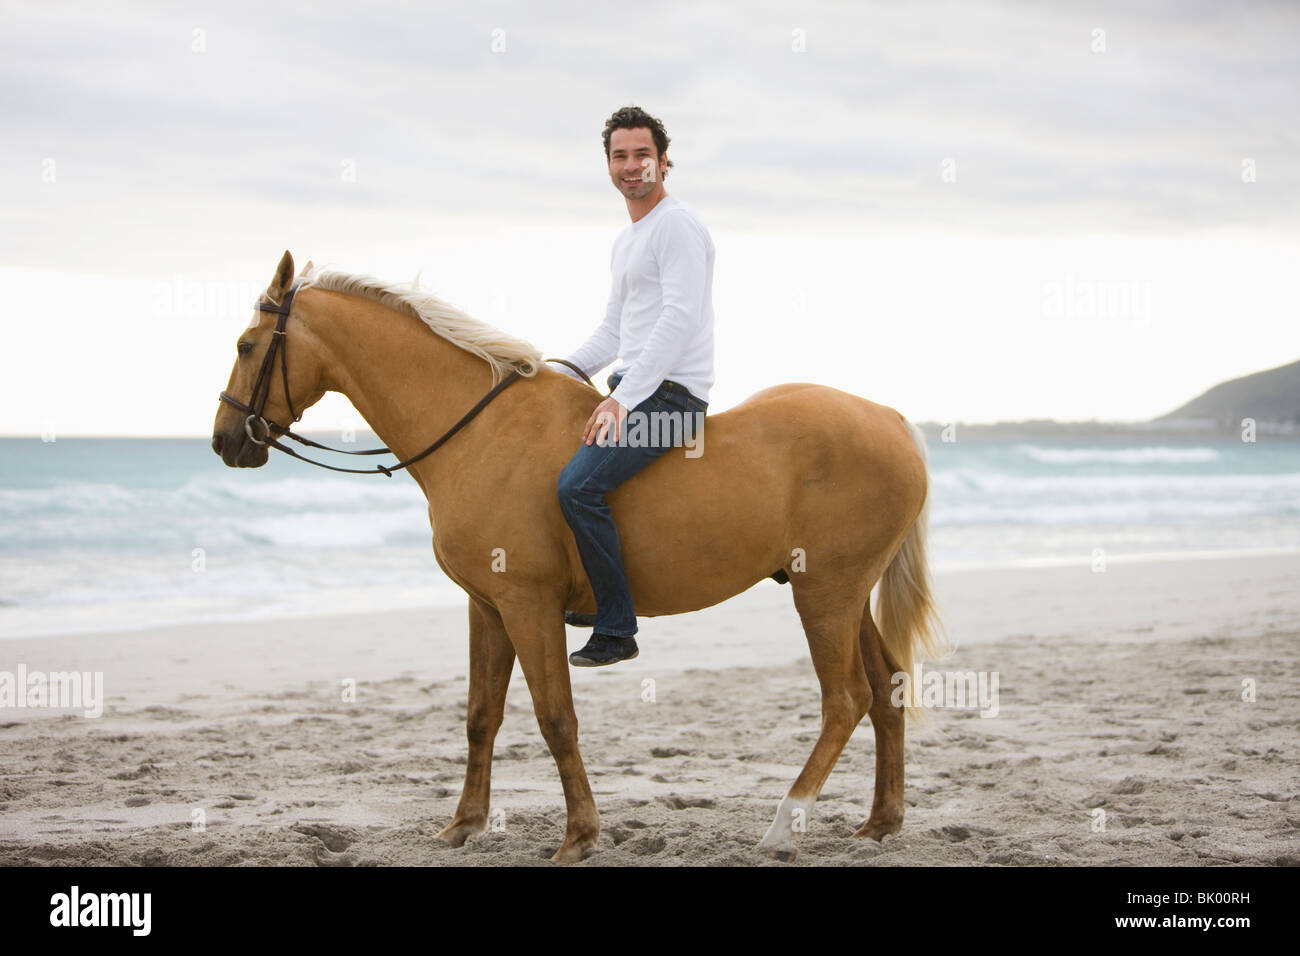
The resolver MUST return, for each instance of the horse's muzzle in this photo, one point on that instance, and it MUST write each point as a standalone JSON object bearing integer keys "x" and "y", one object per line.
{"x": 238, "y": 452}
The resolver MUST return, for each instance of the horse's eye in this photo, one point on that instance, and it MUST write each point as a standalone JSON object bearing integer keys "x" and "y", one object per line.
{"x": 244, "y": 347}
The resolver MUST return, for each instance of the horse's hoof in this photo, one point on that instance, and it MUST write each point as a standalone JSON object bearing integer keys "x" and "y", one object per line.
{"x": 455, "y": 834}
{"x": 572, "y": 852}
{"x": 783, "y": 853}
{"x": 879, "y": 829}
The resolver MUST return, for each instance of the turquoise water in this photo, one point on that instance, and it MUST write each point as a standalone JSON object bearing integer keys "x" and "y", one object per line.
{"x": 99, "y": 534}
{"x": 1045, "y": 500}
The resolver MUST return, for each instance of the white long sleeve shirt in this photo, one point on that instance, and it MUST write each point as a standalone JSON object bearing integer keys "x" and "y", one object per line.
{"x": 659, "y": 321}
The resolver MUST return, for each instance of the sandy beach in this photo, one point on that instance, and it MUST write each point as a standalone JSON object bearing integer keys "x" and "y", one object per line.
{"x": 1123, "y": 734}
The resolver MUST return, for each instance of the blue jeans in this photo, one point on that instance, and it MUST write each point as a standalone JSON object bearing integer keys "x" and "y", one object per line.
{"x": 595, "y": 470}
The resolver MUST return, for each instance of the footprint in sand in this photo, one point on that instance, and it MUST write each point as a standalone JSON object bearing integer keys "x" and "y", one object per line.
{"x": 647, "y": 845}
{"x": 335, "y": 839}
{"x": 1130, "y": 785}
{"x": 669, "y": 752}
{"x": 675, "y": 802}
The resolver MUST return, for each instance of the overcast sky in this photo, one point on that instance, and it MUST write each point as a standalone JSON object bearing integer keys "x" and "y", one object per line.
{"x": 970, "y": 212}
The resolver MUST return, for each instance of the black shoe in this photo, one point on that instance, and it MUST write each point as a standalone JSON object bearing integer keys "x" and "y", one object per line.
{"x": 602, "y": 649}
{"x": 579, "y": 619}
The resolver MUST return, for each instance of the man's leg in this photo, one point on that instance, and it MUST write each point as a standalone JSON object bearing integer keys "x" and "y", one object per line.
{"x": 593, "y": 472}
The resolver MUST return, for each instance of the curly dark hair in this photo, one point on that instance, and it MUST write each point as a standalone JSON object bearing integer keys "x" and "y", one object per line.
{"x": 633, "y": 117}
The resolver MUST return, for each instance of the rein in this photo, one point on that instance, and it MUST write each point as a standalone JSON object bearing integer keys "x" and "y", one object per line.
{"x": 567, "y": 364}
{"x": 262, "y": 389}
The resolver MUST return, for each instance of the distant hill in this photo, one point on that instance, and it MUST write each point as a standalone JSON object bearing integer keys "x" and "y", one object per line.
{"x": 1269, "y": 396}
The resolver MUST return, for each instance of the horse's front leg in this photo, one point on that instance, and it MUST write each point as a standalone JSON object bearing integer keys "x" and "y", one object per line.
{"x": 537, "y": 632}
{"x": 491, "y": 659}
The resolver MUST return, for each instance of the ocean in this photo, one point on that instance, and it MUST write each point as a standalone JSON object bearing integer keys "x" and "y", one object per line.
{"x": 100, "y": 534}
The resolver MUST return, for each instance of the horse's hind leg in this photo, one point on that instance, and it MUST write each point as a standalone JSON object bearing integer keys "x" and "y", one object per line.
{"x": 491, "y": 659}
{"x": 831, "y": 626}
{"x": 888, "y": 722}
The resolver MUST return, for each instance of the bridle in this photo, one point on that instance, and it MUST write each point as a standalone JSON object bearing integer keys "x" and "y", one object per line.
{"x": 262, "y": 389}
{"x": 262, "y": 384}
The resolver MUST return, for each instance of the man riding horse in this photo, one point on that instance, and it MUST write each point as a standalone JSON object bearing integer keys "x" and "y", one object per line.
{"x": 659, "y": 324}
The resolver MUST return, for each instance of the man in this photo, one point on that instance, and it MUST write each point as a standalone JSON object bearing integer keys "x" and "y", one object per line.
{"x": 659, "y": 324}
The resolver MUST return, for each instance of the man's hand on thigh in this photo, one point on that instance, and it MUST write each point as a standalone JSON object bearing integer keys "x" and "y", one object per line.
{"x": 608, "y": 415}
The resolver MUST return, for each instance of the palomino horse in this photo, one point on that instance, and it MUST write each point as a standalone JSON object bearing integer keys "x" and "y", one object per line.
{"x": 825, "y": 486}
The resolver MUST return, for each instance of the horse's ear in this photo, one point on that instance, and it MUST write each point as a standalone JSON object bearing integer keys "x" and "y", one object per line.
{"x": 283, "y": 278}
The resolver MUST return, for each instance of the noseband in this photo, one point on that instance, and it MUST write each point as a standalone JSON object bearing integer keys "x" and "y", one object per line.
{"x": 262, "y": 388}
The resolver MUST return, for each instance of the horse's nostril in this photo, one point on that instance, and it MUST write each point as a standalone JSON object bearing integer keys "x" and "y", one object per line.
{"x": 216, "y": 444}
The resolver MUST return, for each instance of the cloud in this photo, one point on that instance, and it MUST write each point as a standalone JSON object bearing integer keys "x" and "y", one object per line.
{"x": 149, "y": 137}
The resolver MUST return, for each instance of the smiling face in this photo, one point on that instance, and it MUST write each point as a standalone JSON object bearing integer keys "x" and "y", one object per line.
{"x": 635, "y": 167}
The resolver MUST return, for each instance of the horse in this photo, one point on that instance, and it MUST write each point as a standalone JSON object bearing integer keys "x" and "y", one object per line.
{"x": 801, "y": 482}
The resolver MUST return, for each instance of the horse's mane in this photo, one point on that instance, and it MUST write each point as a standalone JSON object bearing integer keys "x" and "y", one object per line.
{"x": 503, "y": 352}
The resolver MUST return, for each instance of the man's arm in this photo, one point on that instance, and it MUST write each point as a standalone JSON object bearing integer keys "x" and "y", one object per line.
{"x": 601, "y": 346}
{"x": 682, "y": 252}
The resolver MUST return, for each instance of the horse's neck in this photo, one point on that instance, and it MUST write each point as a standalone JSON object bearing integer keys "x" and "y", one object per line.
{"x": 408, "y": 383}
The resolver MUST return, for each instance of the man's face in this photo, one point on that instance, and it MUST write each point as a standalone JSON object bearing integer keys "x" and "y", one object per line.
{"x": 634, "y": 167}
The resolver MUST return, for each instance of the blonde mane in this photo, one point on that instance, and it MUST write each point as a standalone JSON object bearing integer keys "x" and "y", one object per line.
{"x": 504, "y": 353}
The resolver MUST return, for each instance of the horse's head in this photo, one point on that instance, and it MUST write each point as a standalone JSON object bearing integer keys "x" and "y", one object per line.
{"x": 271, "y": 384}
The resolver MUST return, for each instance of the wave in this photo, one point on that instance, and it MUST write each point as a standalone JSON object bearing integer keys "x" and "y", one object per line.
{"x": 1114, "y": 514}
{"x": 303, "y": 493}
{"x": 1120, "y": 456}
{"x": 964, "y": 481}
{"x": 279, "y": 494}
{"x": 319, "y": 529}
{"x": 297, "y": 513}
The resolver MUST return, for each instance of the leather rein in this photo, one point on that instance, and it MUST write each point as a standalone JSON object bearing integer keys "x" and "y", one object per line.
{"x": 262, "y": 389}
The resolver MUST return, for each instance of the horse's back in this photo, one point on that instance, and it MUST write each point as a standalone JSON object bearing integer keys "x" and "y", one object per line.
{"x": 796, "y": 466}
{"x": 794, "y": 450}
{"x": 806, "y": 412}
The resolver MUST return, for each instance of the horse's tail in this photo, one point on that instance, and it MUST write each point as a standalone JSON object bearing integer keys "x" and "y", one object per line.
{"x": 906, "y": 612}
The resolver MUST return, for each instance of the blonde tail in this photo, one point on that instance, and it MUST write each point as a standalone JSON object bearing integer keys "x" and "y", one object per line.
{"x": 906, "y": 613}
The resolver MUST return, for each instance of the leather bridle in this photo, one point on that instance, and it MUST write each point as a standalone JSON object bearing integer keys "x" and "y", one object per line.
{"x": 262, "y": 384}
{"x": 262, "y": 388}
{"x": 256, "y": 406}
